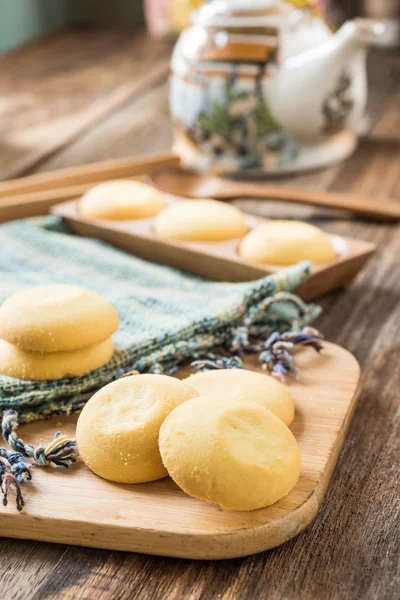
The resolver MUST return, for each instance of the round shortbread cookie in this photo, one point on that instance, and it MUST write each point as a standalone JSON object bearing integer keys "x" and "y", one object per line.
{"x": 286, "y": 243}
{"x": 232, "y": 453}
{"x": 201, "y": 221}
{"x": 121, "y": 200}
{"x": 246, "y": 385}
{"x": 117, "y": 431}
{"x": 56, "y": 317}
{"x": 24, "y": 364}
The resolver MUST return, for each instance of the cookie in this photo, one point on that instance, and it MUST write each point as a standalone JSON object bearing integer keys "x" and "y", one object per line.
{"x": 285, "y": 243}
{"x": 201, "y": 221}
{"x": 117, "y": 431}
{"x": 24, "y": 364}
{"x": 56, "y": 318}
{"x": 236, "y": 454}
{"x": 246, "y": 385}
{"x": 121, "y": 200}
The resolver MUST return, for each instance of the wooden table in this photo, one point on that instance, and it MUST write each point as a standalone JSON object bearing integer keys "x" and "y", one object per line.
{"x": 82, "y": 96}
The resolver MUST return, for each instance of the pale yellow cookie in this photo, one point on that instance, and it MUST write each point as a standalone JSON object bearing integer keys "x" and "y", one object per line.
{"x": 286, "y": 243}
{"x": 233, "y": 453}
{"x": 56, "y": 317}
{"x": 201, "y": 221}
{"x": 246, "y": 385}
{"x": 121, "y": 200}
{"x": 24, "y": 364}
{"x": 117, "y": 431}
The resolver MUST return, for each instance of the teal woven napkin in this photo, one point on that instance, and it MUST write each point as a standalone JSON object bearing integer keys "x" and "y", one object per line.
{"x": 166, "y": 316}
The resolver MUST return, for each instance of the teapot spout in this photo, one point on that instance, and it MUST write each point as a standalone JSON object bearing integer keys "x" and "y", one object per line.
{"x": 369, "y": 32}
{"x": 305, "y": 82}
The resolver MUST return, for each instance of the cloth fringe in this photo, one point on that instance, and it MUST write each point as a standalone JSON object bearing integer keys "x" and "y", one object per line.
{"x": 62, "y": 451}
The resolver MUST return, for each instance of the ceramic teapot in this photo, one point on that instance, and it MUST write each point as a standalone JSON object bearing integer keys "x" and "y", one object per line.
{"x": 261, "y": 84}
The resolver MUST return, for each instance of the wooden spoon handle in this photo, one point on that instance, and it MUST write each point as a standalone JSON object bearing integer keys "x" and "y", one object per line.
{"x": 372, "y": 207}
{"x": 35, "y": 194}
{"x": 93, "y": 173}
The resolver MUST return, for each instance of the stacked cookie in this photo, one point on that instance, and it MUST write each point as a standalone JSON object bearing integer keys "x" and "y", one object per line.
{"x": 56, "y": 331}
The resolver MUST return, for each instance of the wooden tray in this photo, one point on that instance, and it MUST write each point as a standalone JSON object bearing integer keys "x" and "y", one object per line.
{"x": 76, "y": 507}
{"x": 215, "y": 260}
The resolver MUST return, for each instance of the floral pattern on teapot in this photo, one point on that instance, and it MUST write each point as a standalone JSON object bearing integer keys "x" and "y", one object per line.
{"x": 243, "y": 128}
{"x": 265, "y": 86}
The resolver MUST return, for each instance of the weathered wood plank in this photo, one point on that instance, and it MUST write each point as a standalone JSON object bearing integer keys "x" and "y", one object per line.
{"x": 25, "y": 565}
{"x": 55, "y": 89}
{"x": 141, "y": 126}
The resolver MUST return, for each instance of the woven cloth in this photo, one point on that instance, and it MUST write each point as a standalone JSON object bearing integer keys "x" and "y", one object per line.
{"x": 166, "y": 316}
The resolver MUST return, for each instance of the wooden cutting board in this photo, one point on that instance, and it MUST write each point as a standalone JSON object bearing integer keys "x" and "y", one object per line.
{"x": 79, "y": 508}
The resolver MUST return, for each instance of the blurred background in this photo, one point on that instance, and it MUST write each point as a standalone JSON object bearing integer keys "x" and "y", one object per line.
{"x": 25, "y": 20}
{"x": 82, "y": 82}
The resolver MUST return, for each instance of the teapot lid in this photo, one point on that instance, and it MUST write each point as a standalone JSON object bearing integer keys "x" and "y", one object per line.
{"x": 241, "y": 13}
{"x": 247, "y": 12}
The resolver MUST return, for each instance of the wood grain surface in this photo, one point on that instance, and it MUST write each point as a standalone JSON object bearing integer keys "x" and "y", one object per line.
{"x": 158, "y": 518}
{"x": 352, "y": 549}
{"x": 60, "y": 87}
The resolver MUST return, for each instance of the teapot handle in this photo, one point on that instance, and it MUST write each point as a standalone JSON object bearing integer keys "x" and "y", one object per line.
{"x": 372, "y": 32}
